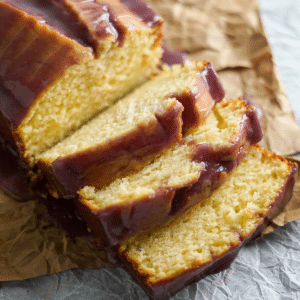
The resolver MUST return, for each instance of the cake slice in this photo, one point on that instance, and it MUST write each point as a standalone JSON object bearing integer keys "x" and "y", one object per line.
{"x": 176, "y": 179}
{"x": 206, "y": 239}
{"x": 61, "y": 62}
{"x": 140, "y": 125}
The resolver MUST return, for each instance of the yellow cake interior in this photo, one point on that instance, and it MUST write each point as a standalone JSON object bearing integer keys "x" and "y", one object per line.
{"x": 139, "y": 108}
{"x": 175, "y": 167}
{"x": 212, "y": 227}
{"x": 88, "y": 88}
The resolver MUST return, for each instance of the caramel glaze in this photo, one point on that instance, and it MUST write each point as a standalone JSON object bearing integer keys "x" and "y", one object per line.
{"x": 99, "y": 19}
{"x": 218, "y": 164}
{"x": 143, "y": 10}
{"x": 208, "y": 91}
{"x": 13, "y": 175}
{"x": 31, "y": 57}
{"x": 104, "y": 163}
{"x": 57, "y": 15}
{"x": 213, "y": 83}
{"x": 11, "y": 108}
{"x": 166, "y": 288}
{"x": 11, "y": 172}
{"x": 172, "y": 57}
{"x": 118, "y": 222}
{"x": 40, "y": 40}
{"x": 257, "y": 107}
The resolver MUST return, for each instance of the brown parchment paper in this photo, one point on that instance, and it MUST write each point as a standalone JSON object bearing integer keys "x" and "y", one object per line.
{"x": 228, "y": 34}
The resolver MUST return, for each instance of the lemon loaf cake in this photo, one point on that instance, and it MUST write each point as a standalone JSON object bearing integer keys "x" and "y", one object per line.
{"x": 206, "y": 239}
{"x": 176, "y": 179}
{"x": 62, "y": 61}
{"x": 171, "y": 56}
{"x": 141, "y": 124}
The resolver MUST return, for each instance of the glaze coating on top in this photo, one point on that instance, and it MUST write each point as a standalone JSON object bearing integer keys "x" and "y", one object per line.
{"x": 117, "y": 222}
{"x": 144, "y": 11}
{"x": 57, "y": 15}
{"x": 87, "y": 21}
{"x": 93, "y": 167}
{"x": 13, "y": 175}
{"x": 165, "y": 289}
{"x": 31, "y": 57}
{"x": 40, "y": 40}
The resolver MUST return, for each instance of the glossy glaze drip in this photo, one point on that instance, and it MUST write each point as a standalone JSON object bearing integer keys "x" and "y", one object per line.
{"x": 172, "y": 57}
{"x": 258, "y": 109}
{"x": 37, "y": 56}
{"x": 101, "y": 20}
{"x": 14, "y": 181}
{"x": 166, "y": 288}
{"x": 29, "y": 60}
{"x": 213, "y": 83}
{"x": 114, "y": 27}
{"x": 210, "y": 179}
{"x": 204, "y": 94}
{"x": 123, "y": 220}
{"x": 255, "y": 133}
{"x": 103, "y": 163}
{"x": 97, "y": 166}
{"x": 215, "y": 166}
{"x": 10, "y": 107}
{"x": 208, "y": 90}
{"x": 144, "y": 11}
{"x": 57, "y": 15}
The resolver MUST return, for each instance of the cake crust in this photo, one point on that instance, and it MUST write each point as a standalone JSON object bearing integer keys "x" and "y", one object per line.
{"x": 107, "y": 161}
{"x": 115, "y": 222}
{"x": 104, "y": 163}
{"x": 43, "y": 53}
{"x": 161, "y": 289}
{"x": 45, "y": 45}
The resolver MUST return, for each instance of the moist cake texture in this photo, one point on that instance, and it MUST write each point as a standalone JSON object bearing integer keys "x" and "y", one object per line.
{"x": 175, "y": 179}
{"x": 140, "y": 125}
{"x": 64, "y": 61}
{"x": 197, "y": 242}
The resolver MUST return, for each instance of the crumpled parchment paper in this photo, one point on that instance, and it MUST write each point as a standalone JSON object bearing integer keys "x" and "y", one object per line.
{"x": 230, "y": 36}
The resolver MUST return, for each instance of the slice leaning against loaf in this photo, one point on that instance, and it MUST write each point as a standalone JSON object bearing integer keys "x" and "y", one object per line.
{"x": 61, "y": 62}
{"x": 206, "y": 239}
{"x": 174, "y": 180}
{"x": 141, "y": 124}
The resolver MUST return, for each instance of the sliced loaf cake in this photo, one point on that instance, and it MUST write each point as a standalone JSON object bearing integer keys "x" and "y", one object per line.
{"x": 206, "y": 239}
{"x": 63, "y": 61}
{"x": 176, "y": 179}
{"x": 140, "y": 125}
